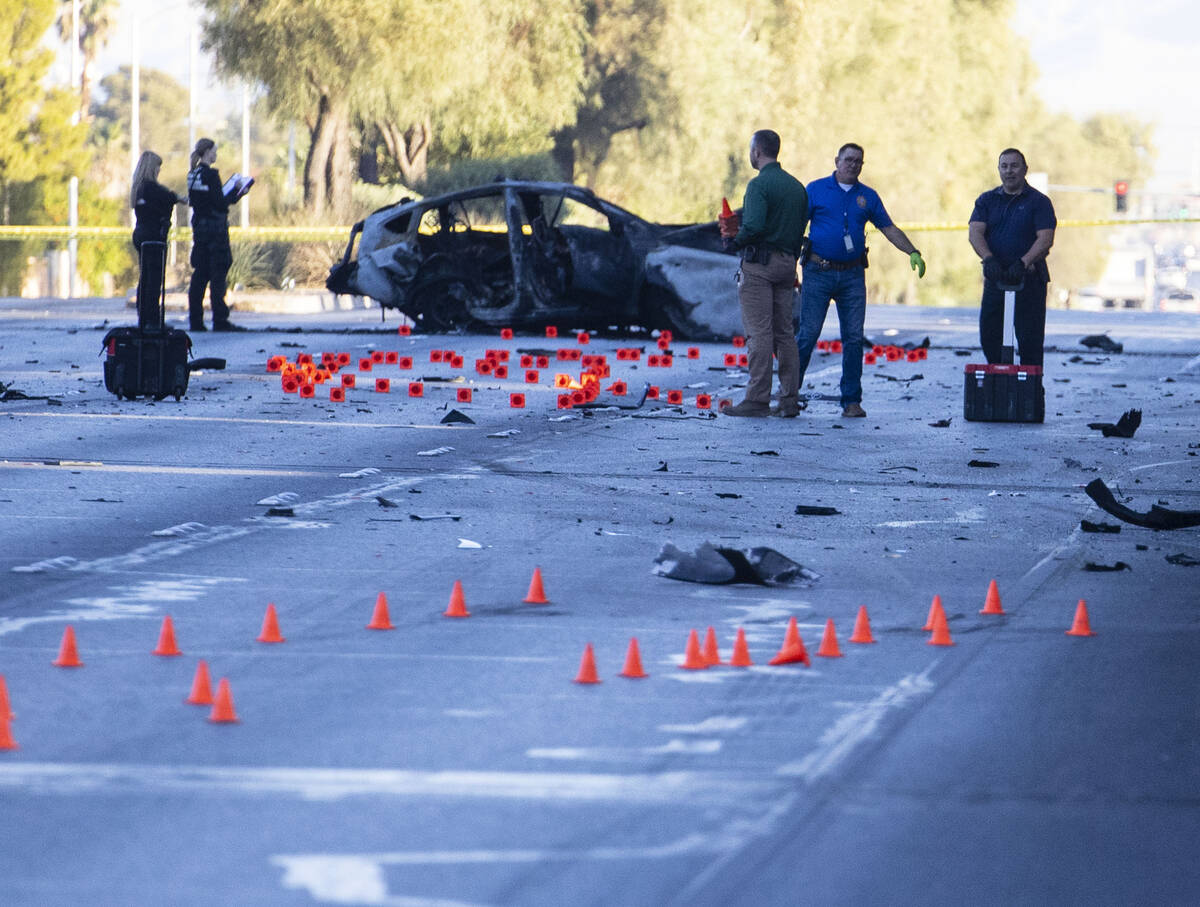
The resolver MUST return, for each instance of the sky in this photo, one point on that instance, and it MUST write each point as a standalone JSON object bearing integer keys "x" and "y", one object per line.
{"x": 1129, "y": 56}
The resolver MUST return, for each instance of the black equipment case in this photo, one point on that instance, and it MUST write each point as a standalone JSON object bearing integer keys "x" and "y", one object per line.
{"x": 151, "y": 359}
{"x": 1004, "y": 392}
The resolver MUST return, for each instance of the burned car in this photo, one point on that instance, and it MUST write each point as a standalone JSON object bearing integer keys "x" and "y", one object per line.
{"x": 530, "y": 254}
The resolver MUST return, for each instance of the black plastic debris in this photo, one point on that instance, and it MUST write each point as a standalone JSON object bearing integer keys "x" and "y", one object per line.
{"x": 908, "y": 380}
{"x": 1081, "y": 361}
{"x": 384, "y": 502}
{"x": 940, "y": 423}
{"x": 455, "y": 416}
{"x": 728, "y": 494}
{"x": 719, "y": 566}
{"x": 1182, "y": 560}
{"x": 206, "y": 364}
{"x": 662, "y": 466}
{"x": 1102, "y": 342}
{"x": 982, "y": 464}
{"x": 667, "y": 522}
{"x": 765, "y": 453}
{"x": 813, "y": 510}
{"x": 1089, "y": 526}
{"x": 1125, "y": 427}
{"x": 1106, "y": 568}
{"x": 425, "y": 517}
{"x": 1156, "y": 517}
{"x": 280, "y": 511}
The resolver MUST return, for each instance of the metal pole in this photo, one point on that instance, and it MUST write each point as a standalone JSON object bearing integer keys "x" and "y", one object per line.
{"x": 73, "y": 185}
{"x": 192, "y": 80}
{"x": 246, "y": 150}
{"x": 135, "y": 104}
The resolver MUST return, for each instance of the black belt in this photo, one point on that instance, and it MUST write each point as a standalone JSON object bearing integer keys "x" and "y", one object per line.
{"x": 823, "y": 264}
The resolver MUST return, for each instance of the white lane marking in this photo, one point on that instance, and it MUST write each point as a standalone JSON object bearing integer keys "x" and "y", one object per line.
{"x": 242, "y": 420}
{"x": 210, "y": 535}
{"x": 164, "y": 469}
{"x": 624, "y": 754}
{"x": 974, "y": 515}
{"x": 329, "y": 784}
{"x": 359, "y": 474}
{"x": 690, "y": 747}
{"x": 359, "y": 878}
{"x": 143, "y": 599}
{"x": 1164, "y": 463}
{"x": 856, "y": 727}
{"x": 713, "y": 725}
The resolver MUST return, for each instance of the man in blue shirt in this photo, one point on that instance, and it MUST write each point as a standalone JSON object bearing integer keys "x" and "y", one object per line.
{"x": 840, "y": 207}
{"x": 1012, "y": 230}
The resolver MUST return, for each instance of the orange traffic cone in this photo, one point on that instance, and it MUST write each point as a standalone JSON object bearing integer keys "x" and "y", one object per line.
{"x": 68, "y": 655}
{"x": 633, "y": 661}
{"x": 829, "y": 643}
{"x": 536, "y": 594}
{"x": 934, "y": 610}
{"x": 222, "y": 710}
{"x": 991, "y": 604}
{"x": 712, "y": 654}
{"x": 6, "y": 737}
{"x": 166, "y": 639}
{"x": 741, "y": 652}
{"x": 693, "y": 658}
{"x": 862, "y": 627}
{"x": 726, "y": 211}
{"x": 5, "y": 708}
{"x": 587, "y": 667}
{"x": 941, "y": 631}
{"x": 270, "y": 626}
{"x": 457, "y": 606}
{"x": 201, "y": 686}
{"x": 1081, "y": 625}
{"x": 792, "y": 651}
{"x": 380, "y": 620}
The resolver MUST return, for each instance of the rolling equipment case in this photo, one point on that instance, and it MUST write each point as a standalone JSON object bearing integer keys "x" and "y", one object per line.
{"x": 150, "y": 360}
{"x": 1004, "y": 392}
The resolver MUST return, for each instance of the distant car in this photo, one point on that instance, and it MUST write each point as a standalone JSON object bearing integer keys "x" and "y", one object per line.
{"x": 532, "y": 254}
{"x": 1180, "y": 301}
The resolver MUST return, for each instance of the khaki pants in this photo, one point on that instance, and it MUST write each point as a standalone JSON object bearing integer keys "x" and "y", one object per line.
{"x": 765, "y": 293}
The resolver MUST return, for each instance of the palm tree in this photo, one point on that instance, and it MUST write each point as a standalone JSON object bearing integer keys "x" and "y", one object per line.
{"x": 97, "y": 18}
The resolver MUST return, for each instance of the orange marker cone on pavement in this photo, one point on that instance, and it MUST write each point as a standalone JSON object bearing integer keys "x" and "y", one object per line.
{"x": 712, "y": 654}
{"x": 991, "y": 604}
{"x": 380, "y": 619}
{"x": 68, "y": 655}
{"x": 941, "y": 631}
{"x": 693, "y": 658}
{"x": 6, "y": 737}
{"x": 1081, "y": 625}
{"x": 222, "y": 710}
{"x": 862, "y": 627}
{"x": 741, "y": 652}
{"x": 166, "y": 639}
{"x": 633, "y": 660}
{"x": 587, "y": 667}
{"x": 829, "y": 643}
{"x": 270, "y": 626}
{"x": 536, "y": 594}
{"x": 934, "y": 609}
{"x": 792, "y": 651}
{"x": 457, "y": 606}
{"x": 5, "y": 708}
{"x": 201, "y": 686}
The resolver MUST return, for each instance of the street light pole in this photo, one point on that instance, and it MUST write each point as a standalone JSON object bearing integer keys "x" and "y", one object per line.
{"x": 73, "y": 185}
{"x": 135, "y": 104}
{"x": 245, "y": 151}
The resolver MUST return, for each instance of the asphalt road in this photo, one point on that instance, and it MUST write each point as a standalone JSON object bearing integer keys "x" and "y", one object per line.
{"x": 455, "y": 762}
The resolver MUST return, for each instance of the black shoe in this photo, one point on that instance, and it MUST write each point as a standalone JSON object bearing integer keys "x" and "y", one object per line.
{"x": 227, "y": 326}
{"x": 198, "y": 328}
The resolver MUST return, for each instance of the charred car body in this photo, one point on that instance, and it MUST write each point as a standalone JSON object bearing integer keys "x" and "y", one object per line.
{"x": 529, "y": 254}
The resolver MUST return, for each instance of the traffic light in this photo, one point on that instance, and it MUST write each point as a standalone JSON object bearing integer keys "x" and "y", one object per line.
{"x": 1120, "y": 193}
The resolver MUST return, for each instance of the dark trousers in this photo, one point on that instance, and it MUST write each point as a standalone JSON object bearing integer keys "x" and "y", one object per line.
{"x": 210, "y": 265}
{"x": 1029, "y": 321}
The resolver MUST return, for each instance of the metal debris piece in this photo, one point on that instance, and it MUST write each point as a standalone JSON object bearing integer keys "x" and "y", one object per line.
{"x": 434, "y": 452}
{"x": 1106, "y": 568}
{"x": 765, "y": 453}
{"x": 982, "y": 464}
{"x": 467, "y": 543}
{"x": 455, "y": 416}
{"x": 940, "y": 423}
{"x": 1155, "y": 518}
{"x": 1101, "y": 342}
{"x": 1182, "y": 560}
{"x": 812, "y": 510}
{"x": 422, "y": 517}
{"x": 718, "y": 566}
{"x": 507, "y": 433}
{"x": 384, "y": 502}
{"x": 1089, "y": 526}
{"x": 1125, "y": 427}
{"x": 280, "y": 511}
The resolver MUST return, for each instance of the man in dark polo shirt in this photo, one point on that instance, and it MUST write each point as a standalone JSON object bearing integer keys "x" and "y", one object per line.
{"x": 774, "y": 215}
{"x": 840, "y": 207}
{"x": 1012, "y": 230}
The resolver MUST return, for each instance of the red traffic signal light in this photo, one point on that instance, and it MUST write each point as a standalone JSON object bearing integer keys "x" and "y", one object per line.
{"x": 1120, "y": 191}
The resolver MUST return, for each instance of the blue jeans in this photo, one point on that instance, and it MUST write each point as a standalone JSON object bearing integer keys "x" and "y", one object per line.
{"x": 848, "y": 289}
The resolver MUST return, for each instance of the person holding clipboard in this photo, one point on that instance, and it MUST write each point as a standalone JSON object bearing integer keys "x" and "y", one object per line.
{"x": 211, "y": 255}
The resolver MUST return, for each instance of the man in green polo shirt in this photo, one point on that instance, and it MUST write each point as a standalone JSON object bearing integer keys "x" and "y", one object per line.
{"x": 774, "y": 217}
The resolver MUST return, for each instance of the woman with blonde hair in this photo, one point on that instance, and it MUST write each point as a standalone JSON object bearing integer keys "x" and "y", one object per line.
{"x": 151, "y": 201}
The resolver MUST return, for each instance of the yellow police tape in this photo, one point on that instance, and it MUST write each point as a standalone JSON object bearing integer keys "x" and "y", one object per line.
{"x": 341, "y": 234}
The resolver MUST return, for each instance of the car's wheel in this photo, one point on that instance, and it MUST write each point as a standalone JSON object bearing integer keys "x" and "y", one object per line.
{"x": 439, "y": 302}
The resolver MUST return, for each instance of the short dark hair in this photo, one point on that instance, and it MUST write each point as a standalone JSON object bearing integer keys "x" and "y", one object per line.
{"x": 1017, "y": 152}
{"x": 857, "y": 147}
{"x": 766, "y": 141}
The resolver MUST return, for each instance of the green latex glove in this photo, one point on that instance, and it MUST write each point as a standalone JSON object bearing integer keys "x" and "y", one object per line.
{"x": 918, "y": 263}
